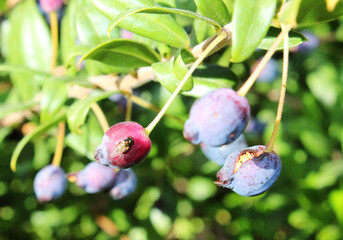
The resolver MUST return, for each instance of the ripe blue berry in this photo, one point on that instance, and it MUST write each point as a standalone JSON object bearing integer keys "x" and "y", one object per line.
{"x": 124, "y": 185}
{"x": 217, "y": 118}
{"x": 95, "y": 178}
{"x": 124, "y": 145}
{"x": 49, "y": 183}
{"x": 219, "y": 154}
{"x": 250, "y": 171}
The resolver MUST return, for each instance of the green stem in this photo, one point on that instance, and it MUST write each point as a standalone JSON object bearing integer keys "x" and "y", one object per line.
{"x": 214, "y": 43}
{"x": 269, "y": 147}
{"x": 251, "y": 80}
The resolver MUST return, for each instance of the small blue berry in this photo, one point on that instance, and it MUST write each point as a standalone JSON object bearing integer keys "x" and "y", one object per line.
{"x": 125, "y": 184}
{"x": 49, "y": 183}
{"x": 95, "y": 178}
{"x": 250, "y": 172}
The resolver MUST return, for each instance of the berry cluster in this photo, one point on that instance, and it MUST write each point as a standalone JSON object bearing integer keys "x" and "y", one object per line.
{"x": 216, "y": 122}
{"x": 51, "y": 181}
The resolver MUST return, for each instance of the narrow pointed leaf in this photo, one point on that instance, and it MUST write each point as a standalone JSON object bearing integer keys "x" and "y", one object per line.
{"x": 39, "y": 130}
{"x": 251, "y": 20}
{"x": 77, "y": 112}
{"x": 161, "y": 28}
{"x": 295, "y": 38}
{"x": 123, "y": 53}
{"x": 214, "y": 9}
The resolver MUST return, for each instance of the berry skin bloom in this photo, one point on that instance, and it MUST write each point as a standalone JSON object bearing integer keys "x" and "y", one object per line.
{"x": 95, "y": 178}
{"x": 124, "y": 145}
{"x": 217, "y": 118}
{"x": 250, "y": 172}
{"x": 49, "y": 183}
{"x": 124, "y": 185}
{"x": 51, "y": 5}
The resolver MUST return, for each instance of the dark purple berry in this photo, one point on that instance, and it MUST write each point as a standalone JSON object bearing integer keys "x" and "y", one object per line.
{"x": 250, "y": 171}
{"x": 51, "y": 5}
{"x": 217, "y": 118}
{"x": 219, "y": 154}
{"x": 124, "y": 145}
{"x": 95, "y": 178}
{"x": 49, "y": 183}
{"x": 124, "y": 185}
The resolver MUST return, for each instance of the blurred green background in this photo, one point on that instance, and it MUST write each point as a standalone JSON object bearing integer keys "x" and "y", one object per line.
{"x": 175, "y": 197}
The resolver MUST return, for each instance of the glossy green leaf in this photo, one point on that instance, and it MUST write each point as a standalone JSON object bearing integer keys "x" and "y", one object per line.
{"x": 54, "y": 95}
{"x": 314, "y": 12}
{"x": 123, "y": 53}
{"x": 161, "y": 28}
{"x": 295, "y": 38}
{"x": 88, "y": 141}
{"x": 160, "y": 10}
{"x": 214, "y": 9}
{"x": 90, "y": 24}
{"x": 37, "y": 131}
{"x": 207, "y": 78}
{"x": 29, "y": 46}
{"x": 77, "y": 112}
{"x": 251, "y": 20}
{"x": 170, "y": 74}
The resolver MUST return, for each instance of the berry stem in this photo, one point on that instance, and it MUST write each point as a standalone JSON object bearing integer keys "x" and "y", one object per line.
{"x": 213, "y": 44}
{"x": 100, "y": 116}
{"x": 59, "y": 146}
{"x": 128, "y": 108}
{"x": 54, "y": 39}
{"x": 251, "y": 80}
{"x": 269, "y": 147}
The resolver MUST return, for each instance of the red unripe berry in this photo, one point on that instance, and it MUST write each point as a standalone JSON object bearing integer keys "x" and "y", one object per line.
{"x": 124, "y": 145}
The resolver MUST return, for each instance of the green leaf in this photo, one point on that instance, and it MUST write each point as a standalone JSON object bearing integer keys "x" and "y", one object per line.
{"x": 54, "y": 95}
{"x": 39, "y": 130}
{"x": 77, "y": 112}
{"x": 202, "y": 30}
{"x": 314, "y": 12}
{"x": 11, "y": 68}
{"x": 251, "y": 20}
{"x": 295, "y": 38}
{"x": 6, "y": 108}
{"x": 170, "y": 73}
{"x": 88, "y": 141}
{"x": 123, "y": 53}
{"x": 91, "y": 25}
{"x": 160, "y": 10}
{"x": 161, "y": 28}
{"x": 68, "y": 32}
{"x": 289, "y": 12}
{"x": 29, "y": 46}
{"x": 214, "y": 9}
{"x": 207, "y": 78}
